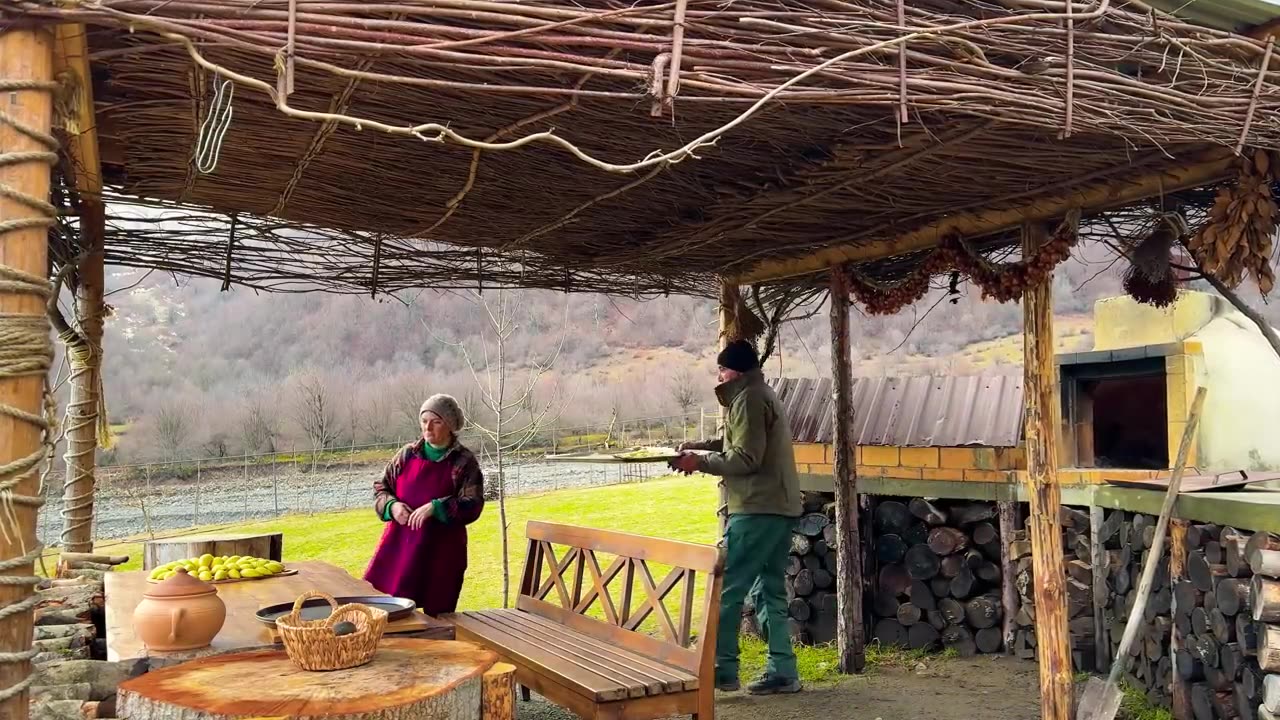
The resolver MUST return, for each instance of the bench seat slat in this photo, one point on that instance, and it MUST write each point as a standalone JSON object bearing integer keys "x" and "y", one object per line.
{"x": 593, "y": 682}
{"x": 656, "y": 677}
{"x": 650, "y": 666}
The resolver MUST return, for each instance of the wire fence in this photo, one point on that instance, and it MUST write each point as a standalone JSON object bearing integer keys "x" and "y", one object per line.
{"x": 160, "y": 497}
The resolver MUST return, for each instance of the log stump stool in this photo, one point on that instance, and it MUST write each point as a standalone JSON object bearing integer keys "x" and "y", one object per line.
{"x": 406, "y": 680}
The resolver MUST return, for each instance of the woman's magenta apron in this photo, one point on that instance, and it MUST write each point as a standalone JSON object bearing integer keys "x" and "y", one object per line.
{"x": 427, "y": 565}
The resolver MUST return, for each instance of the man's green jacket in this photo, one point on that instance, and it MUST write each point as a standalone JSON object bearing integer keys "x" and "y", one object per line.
{"x": 755, "y": 456}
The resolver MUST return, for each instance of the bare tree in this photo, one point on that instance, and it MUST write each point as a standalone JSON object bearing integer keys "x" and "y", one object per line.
{"x": 684, "y": 390}
{"x": 314, "y": 411}
{"x": 377, "y": 420}
{"x": 131, "y": 493}
{"x": 259, "y": 423}
{"x": 173, "y": 429}
{"x": 512, "y": 413}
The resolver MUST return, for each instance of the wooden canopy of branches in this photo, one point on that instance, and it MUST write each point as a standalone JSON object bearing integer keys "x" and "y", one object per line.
{"x": 629, "y": 147}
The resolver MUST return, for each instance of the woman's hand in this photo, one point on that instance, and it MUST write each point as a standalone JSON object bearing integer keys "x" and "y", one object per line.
{"x": 420, "y": 516}
{"x": 400, "y": 513}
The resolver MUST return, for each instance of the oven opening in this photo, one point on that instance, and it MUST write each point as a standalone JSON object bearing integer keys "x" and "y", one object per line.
{"x": 1117, "y": 417}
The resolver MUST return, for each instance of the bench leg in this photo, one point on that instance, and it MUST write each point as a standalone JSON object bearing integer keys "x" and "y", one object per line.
{"x": 706, "y": 705}
{"x": 526, "y": 694}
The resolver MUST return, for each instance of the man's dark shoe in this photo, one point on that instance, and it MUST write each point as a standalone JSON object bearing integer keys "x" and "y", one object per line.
{"x": 773, "y": 684}
{"x": 728, "y": 685}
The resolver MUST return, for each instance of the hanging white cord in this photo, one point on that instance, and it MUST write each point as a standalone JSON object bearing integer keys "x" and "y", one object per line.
{"x": 214, "y": 128}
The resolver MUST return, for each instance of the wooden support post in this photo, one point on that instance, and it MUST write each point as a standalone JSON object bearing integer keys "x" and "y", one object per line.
{"x": 850, "y": 634}
{"x": 730, "y": 299}
{"x": 1178, "y": 550}
{"x": 26, "y": 156}
{"x": 1044, "y": 495}
{"x": 1008, "y": 575}
{"x": 1098, "y": 561}
{"x": 84, "y": 342}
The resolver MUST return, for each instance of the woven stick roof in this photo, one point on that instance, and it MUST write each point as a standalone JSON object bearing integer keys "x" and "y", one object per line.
{"x": 592, "y": 176}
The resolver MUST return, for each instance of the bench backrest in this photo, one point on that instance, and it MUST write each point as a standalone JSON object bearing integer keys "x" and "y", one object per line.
{"x": 565, "y": 586}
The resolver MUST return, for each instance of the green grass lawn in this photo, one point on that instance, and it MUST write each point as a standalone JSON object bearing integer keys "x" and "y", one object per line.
{"x": 678, "y": 508}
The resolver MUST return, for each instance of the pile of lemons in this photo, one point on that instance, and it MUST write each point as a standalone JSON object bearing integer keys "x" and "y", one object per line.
{"x": 226, "y": 567}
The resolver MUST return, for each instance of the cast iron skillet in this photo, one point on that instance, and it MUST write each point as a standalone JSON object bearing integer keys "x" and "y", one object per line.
{"x": 319, "y": 608}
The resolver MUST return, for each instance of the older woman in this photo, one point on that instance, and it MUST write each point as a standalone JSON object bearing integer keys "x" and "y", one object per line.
{"x": 431, "y": 490}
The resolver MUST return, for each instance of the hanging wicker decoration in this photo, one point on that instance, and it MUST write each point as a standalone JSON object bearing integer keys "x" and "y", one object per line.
{"x": 1237, "y": 239}
{"x": 1150, "y": 278}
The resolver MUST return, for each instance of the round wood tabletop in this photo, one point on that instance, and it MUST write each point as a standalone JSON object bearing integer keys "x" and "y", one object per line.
{"x": 407, "y": 680}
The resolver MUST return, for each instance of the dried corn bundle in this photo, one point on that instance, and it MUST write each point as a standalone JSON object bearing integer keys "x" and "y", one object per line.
{"x": 1237, "y": 239}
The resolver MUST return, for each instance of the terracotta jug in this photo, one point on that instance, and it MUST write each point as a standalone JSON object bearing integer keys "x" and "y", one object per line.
{"x": 181, "y": 613}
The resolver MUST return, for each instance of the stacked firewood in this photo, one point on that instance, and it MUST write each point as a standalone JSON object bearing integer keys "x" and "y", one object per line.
{"x": 811, "y": 574}
{"x": 73, "y": 680}
{"x": 937, "y": 576}
{"x": 1260, "y": 639}
{"x": 1125, "y": 539}
{"x": 1227, "y": 610}
{"x": 1128, "y": 539}
{"x": 1077, "y": 558}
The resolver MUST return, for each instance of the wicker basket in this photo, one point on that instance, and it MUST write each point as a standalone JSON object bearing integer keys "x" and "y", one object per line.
{"x": 313, "y": 645}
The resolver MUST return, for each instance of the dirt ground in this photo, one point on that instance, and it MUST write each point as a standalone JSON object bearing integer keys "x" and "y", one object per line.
{"x": 983, "y": 688}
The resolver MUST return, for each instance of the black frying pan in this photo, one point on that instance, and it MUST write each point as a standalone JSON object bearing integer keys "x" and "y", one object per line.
{"x": 319, "y": 608}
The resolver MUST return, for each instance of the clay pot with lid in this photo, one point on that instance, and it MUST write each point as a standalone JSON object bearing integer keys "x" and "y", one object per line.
{"x": 181, "y": 613}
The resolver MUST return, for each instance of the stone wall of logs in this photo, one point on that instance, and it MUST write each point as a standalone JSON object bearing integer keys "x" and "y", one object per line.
{"x": 1126, "y": 539}
{"x": 811, "y": 572}
{"x": 934, "y": 575}
{"x": 73, "y": 680}
{"x": 937, "y": 575}
{"x": 1228, "y": 619}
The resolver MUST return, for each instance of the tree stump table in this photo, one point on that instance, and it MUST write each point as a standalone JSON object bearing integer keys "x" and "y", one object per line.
{"x": 262, "y": 545}
{"x": 406, "y": 680}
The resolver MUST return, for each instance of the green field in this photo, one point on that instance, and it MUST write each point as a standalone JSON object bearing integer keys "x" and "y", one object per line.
{"x": 680, "y": 508}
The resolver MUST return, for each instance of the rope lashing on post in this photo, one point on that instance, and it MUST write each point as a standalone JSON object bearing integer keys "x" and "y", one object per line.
{"x": 26, "y": 350}
{"x": 77, "y": 509}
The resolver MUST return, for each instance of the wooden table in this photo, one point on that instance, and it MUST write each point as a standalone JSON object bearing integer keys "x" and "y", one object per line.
{"x": 406, "y": 680}
{"x": 242, "y": 631}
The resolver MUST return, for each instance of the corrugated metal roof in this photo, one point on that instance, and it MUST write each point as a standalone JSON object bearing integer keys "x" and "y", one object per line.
{"x": 924, "y": 411}
{"x": 1234, "y": 15}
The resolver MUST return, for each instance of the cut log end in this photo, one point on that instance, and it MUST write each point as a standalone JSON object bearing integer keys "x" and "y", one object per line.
{"x": 498, "y": 693}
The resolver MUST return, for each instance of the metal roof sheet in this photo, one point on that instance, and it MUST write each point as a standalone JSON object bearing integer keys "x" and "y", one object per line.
{"x": 922, "y": 411}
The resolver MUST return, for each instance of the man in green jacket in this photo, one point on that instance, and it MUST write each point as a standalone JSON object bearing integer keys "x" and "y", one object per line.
{"x": 758, "y": 468}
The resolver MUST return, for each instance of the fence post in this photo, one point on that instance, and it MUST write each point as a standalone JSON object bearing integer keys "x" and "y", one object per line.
{"x": 702, "y": 424}
{"x": 245, "y": 482}
{"x": 196, "y": 521}
{"x": 275, "y": 486}
{"x": 351, "y": 464}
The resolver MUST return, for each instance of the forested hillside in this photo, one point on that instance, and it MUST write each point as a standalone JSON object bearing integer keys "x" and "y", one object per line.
{"x": 192, "y": 370}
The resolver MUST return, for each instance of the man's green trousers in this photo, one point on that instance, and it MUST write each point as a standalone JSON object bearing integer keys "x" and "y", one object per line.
{"x": 756, "y": 548}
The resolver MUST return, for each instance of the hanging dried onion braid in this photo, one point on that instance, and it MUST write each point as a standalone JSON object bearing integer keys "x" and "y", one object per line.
{"x": 1005, "y": 282}
{"x": 1001, "y": 281}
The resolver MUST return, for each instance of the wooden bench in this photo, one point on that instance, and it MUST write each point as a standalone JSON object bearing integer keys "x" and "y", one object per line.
{"x": 606, "y": 666}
